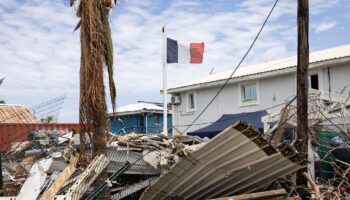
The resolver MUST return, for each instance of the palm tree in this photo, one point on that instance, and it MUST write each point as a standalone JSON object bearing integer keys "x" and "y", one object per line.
{"x": 1, "y": 81}
{"x": 96, "y": 53}
{"x": 49, "y": 119}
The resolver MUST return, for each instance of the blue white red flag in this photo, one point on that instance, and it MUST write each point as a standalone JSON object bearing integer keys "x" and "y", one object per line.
{"x": 184, "y": 53}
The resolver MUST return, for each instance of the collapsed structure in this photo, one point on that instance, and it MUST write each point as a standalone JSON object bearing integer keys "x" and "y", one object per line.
{"x": 241, "y": 161}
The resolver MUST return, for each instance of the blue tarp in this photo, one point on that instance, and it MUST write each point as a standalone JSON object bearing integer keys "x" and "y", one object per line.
{"x": 253, "y": 118}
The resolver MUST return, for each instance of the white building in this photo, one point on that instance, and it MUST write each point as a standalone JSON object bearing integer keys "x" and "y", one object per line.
{"x": 257, "y": 87}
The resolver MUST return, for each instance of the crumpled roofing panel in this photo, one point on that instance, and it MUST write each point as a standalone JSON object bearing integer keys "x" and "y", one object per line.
{"x": 118, "y": 158}
{"x": 236, "y": 161}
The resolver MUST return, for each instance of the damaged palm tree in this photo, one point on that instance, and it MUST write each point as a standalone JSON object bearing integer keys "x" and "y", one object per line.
{"x": 96, "y": 53}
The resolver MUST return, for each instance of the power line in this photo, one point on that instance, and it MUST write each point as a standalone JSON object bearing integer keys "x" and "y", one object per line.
{"x": 234, "y": 71}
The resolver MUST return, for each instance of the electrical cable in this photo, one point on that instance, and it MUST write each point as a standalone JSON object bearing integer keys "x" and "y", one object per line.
{"x": 234, "y": 71}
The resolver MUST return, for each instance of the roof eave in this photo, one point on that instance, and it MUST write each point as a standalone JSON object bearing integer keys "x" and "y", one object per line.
{"x": 137, "y": 112}
{"x": 290, "y": 69}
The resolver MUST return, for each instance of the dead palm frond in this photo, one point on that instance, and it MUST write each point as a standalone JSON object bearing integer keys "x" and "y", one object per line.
{"x": 96, "y": 54}
{"x": 2, "y": 80}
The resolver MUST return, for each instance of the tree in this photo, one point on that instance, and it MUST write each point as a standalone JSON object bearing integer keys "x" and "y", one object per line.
{"x": 48, "y": 120}
{"x": 96, "y": 54}
{"x": 1, "y": 81}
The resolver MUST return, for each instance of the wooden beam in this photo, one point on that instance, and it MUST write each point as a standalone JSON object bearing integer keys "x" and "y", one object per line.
{"x": 95, "y": 168}
{"x": 281, "y": 124}
{"x": 302, "y": 81}
{"x": 257, "y": 195}
{"x": 62, "y": 178}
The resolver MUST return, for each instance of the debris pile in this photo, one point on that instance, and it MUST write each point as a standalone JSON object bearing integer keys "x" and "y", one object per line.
{"x": 236, "y": 161}
{"x": 241, "y": 162}
{"x": 329, "y": 150}
{"x": 48, "y": 164}
{"x": 33, "y": 165}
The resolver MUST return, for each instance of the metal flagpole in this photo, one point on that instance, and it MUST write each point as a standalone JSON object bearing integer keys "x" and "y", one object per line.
{"x": 165, "y": 88}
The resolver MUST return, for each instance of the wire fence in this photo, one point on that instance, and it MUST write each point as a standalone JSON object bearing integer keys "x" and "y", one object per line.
{"x": 46, "y": 112}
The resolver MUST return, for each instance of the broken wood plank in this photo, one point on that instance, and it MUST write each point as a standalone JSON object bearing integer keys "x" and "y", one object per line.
{"x": 280, "y": 125}
{"x": 313, "y": 185}
{"x": 63, "y": 177}
{"x": 78, "y": 189}
{"x": 257, "y": 195}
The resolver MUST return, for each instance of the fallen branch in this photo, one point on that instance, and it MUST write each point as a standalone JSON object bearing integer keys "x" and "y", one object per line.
{"x": 313, "y": 185}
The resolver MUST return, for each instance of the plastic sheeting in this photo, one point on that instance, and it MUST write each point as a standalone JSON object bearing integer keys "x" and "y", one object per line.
{"x": 253, "y": 118}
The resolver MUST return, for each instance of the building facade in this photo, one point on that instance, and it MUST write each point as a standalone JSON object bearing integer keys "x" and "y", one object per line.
{"x": 262, "y": 86}
{"x": 141, "y": 117}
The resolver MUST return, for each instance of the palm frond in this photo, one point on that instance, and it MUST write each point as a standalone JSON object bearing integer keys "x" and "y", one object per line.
{"x": 108, "y": 46}
{"x": 77, "y": 26}
{"x": 2, "y": 80}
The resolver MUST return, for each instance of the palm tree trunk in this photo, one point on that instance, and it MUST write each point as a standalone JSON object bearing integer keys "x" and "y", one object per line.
{"x": 96, "y": 53}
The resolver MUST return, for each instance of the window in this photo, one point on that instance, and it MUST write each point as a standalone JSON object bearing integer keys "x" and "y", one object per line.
{"x": 156, "y": 119}
{"x": 249, "y": 92}
{"x": 191, "y": 105}
{"x": 314, "y": 81}
{"x": 141, "y": 120}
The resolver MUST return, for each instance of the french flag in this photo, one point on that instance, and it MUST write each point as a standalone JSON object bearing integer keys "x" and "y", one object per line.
{"x": 184, "y": 53}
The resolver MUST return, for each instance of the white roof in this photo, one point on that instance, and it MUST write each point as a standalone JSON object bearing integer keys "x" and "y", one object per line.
{"x": 138, "y": 107}
{"x": 290, "y": 62}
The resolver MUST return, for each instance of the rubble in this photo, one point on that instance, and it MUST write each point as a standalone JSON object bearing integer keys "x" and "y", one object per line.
{"x": 61, "y": 179}
{"x": 235, "y": 161}
{"x": 239, "y": 163}
{"x": 85, "y": 179}
{"x": 48, "y": 164}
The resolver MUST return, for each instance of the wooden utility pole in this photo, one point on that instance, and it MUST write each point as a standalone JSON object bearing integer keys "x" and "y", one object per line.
{"x": 302, "y": 74}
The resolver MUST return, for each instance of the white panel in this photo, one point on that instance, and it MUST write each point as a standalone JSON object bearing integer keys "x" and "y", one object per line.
{"x": 37, "y": 175}
{"x": 183, "y": 51}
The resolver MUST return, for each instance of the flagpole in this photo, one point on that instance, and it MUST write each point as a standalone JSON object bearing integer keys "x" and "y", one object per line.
{"x": 165, "y": 88}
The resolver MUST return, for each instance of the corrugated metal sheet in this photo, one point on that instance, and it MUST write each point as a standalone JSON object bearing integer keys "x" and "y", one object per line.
{"x": 236, "y": 161}
{"x": 16, "y": 114}
{"x": 119, "y": 157}
{"x": 290, "y": 62}
{"x": 130, "y": 189}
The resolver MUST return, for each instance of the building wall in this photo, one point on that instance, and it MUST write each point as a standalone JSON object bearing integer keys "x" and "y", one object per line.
{"x": 339, "y": 78}
{"x": 130, "y": 123}
{"x": 272, "y": 91}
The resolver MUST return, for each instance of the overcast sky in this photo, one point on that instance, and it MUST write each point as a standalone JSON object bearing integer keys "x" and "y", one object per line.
{"x": 39, "y": 53}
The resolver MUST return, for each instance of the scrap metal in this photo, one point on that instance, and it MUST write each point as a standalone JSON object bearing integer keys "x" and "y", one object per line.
{"x": 238, "y": 160}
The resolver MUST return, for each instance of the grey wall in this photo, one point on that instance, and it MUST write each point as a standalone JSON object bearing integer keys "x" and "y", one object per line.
{"x": 281, "y": 87}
